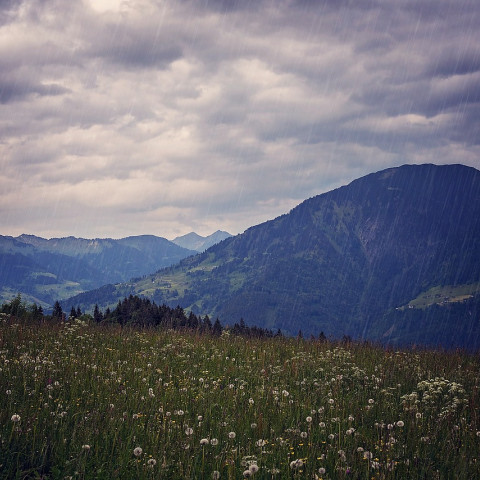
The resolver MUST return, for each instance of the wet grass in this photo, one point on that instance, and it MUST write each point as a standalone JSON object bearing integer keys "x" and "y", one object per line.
{"x": 85, "y": 401}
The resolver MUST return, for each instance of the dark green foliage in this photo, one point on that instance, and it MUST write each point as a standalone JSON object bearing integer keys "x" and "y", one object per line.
{"x": 57, "y": 310}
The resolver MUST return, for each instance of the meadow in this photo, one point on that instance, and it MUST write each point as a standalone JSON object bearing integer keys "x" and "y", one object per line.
{"x": 85, "y": 401}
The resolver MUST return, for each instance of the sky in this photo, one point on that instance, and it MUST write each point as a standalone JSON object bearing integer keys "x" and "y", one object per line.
{"x": 132, "y": 117}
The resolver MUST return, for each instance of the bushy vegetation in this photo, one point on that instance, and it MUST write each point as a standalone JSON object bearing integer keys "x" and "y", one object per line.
{"x": 81, "y": 400}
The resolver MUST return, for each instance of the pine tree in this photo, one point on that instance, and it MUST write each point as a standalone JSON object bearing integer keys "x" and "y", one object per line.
{"x": 57, "y": 310}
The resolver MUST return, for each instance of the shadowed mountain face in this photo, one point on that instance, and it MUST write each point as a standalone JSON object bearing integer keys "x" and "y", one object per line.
{"x": 46, "y": 270}
{"x": 343, "y": 261}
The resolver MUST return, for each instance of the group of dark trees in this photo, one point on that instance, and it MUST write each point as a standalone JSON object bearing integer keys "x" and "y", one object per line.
{"x": 140, "y": 313}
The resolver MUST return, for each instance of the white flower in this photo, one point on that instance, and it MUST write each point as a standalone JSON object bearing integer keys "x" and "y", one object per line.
{"x": 232, "y": 435}
{"x": 309, "y": 419}
{"x": 298, "y": 463}
{"x": 151, "y": 462}
{"x": 86, "y": 447}
{"x": 137, "y": 451}
{"x": 303, "y": 434}
{"x": 214, "y": 441}
{"x": 321, "y": 471}
{"x": 400, "y": 423}
{"x": 189, "y": 430}
{"x": 371, "y": 401}
{"x": 253, "y": 468}
{"x": 321, "y": 424}
{"x": 16, "y": 418}
{"x": 260, "y": 443}
{"x": 247, "y": 473}
{"x": 204, "y": 441}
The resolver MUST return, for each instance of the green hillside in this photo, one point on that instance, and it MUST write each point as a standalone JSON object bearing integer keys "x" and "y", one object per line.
{"x": 338, "y": 262}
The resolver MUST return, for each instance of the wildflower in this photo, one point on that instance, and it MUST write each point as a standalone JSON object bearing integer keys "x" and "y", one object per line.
{"x": 215, "y": 475}
{"x": 298, "y": 463}
{"x": 251, "y": 401}
{"x": 321, "y": 471}
{"x": 321, "y": 424}
{"x": 371, "y": 401}
{"x": 232, "y": 435}
{"x": 86, "y": 447}
{"x": 253, "y": 426}
{"x": 151, "y": 462}
{"x": 309, "y": 419}
{"x": 214, "y": 441}
{"x": 253, "y": 468}
{"x": 15, "y": 418}
{"x": 199, "y": 418}
{"x": 137, "y": 451}
{"x": 260, "y": 443}
{"x": 331, "y": 401}
{"x": 247, "y": 473}
{"x": 189, "y": 430}
{"x": 400, "y": 423}
{"x": 303, "y": 434}
{"x": 204, "y": 441}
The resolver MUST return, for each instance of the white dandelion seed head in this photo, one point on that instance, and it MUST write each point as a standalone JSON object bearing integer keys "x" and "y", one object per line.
{"x": 16, "y": 418}
{"x": 309, "y": 419}
{"x": 298, "y": 463}
{"x": 214, "y": 441}
{"x": 232, "y": 435}
{"x": 137, "y": 451}
{"x": 204, "y": 441}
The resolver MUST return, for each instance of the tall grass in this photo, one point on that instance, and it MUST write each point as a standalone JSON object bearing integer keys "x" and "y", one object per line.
{"x": 86, "y": 401}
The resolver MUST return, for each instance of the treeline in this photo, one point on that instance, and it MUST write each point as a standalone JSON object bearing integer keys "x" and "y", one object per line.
{"x": 141, "y": 313}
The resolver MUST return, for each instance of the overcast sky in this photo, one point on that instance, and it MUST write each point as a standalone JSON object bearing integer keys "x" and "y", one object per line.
{"x": 160, "y": 117}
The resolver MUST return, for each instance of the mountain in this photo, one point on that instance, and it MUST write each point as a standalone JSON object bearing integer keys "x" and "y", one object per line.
{"x": 351, "y": 261}
{"x": 46, "y": 270}
{"x": 193, "y": 241}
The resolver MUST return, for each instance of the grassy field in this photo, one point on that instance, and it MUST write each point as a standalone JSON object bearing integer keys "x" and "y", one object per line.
{"x": 445, "y": 294}
{"x": 83, "y": 401}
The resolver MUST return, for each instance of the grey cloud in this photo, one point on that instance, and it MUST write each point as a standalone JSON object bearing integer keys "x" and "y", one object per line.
{"x": 196, "y": 113}
{"x": 13, "y": 90}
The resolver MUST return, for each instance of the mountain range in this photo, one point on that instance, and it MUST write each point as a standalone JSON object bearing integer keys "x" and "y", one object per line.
{"x": 354, "y": 262}
{"x": 196, "y": 242}
{"x": 43, "y": 271}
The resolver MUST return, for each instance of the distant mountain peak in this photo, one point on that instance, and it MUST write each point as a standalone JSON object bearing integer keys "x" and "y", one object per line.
{"x": 194, "y": 241}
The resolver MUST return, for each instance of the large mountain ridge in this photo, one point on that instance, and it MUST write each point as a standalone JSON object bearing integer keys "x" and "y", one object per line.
{"x": 44, "y": 270}
{"x": 345, "y": 262}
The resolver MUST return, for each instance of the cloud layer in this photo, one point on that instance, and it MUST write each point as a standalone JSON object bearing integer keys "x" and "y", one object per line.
{"x": 129, "y": 117}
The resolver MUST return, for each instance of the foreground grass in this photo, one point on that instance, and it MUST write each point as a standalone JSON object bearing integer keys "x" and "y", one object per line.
{"x": 80, "y": 401}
